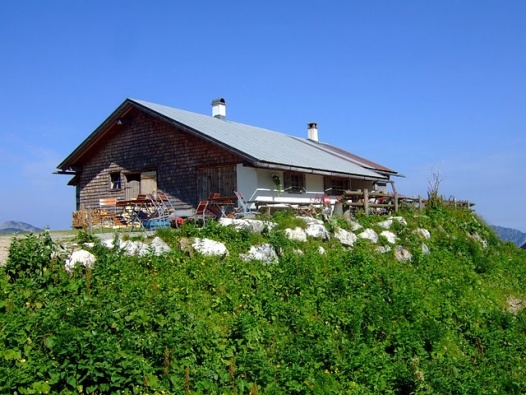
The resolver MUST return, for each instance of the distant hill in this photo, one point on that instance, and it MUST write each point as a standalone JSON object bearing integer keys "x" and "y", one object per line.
{"x": 17, "y": 227}
{"x": 508, "y": 234}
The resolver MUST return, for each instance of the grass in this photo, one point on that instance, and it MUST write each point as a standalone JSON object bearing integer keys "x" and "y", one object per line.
{"x": 350, "y": 321}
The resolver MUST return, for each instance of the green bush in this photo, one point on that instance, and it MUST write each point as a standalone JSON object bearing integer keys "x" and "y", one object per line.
{"x": 350, "y": 321}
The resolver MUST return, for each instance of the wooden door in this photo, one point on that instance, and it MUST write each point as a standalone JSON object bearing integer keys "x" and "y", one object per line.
{"x": 148, "y": 182}
{"x": 220, "y": 180}
{"x": 133, "y": 185}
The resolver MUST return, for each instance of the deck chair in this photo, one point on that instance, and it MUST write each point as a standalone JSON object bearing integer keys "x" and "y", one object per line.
{"x": 244, "y": 210}
{"x": 203, "y": 212}
{"x": 155, "y": 213}
{"x": 165, "y": 202}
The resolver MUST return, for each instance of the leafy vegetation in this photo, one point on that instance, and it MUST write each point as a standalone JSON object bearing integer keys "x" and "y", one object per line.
{"x": 350, "y": 321}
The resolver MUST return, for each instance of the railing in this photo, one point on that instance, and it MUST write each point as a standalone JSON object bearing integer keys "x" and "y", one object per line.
{"x": 381, "y": 202}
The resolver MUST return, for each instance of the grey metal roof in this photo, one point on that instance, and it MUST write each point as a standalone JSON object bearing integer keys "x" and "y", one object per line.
{"x": 262, "y": 145}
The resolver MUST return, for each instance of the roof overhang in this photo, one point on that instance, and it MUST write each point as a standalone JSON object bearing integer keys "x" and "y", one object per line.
{"x": 283, "y": 167}
{"x": 69, "y": 164}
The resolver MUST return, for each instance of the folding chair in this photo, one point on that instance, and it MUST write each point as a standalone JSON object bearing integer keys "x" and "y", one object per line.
{"x": 203, "y": 212}
{"x": 156, "y": 214}
{"x": 165, "y": 202}
{"x": 245, "y": 210}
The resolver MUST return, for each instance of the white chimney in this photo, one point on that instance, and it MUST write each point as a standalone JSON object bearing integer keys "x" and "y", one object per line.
{"x": 313, "y": 131}
{"x": 219, "y": 108}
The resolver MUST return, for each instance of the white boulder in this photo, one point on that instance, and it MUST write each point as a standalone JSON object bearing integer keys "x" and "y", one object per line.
{"x": 402, "y": 255}
{"x": 346, "y": 238}
{"x": 264, "y": 253}
{"x": 318, "y": 231}
{"x": 383, "y": 249}
{"x": 422, "y": 233}
{"x": 369, "y": 234}
{"x": 252, "y": 225}
{"x": 390, "y": 236}
{"x": 425, "y": 249}
{"x": 209, "y": 247}
{"x": 82, "y": 257}
{"x": 159, "y": 247}
{"x": 134, "y": 247}
{"x": 296, "y": 234}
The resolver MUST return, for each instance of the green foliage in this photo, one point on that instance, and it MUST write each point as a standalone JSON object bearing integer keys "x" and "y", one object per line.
{"x": 32, "y": 257}
{"x": 288, "y": 219}
{"x": 351, "y": 321}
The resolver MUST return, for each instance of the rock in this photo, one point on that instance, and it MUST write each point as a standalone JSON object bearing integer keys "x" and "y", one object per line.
{"x": 134, "y": 247}
{"x": 515, "y": 305}
{"x": 389, "y": 221}
{"x": 425, "y": 249}
{"x": 318, "y": 231}
{"x": 83, "y": 257}
{"x": 159, "y": 247}
{"x": 311, "y": 221}
{"x": 252, "y": 225}
{"x": 296, "y": 234}
{"x": 385, "y": 224}
{"x": 355, "y": 226}
{"x": 476, "y": 236}
{"x": 390, "y": 236}
{"x": 369, "y": 234}
{"x": 383, "y": 249}
{"x": 185, "y": 245}
{"x": 209, "y": 247}
{"x": 346, "y": 238}
{"x": 264, "y": 253}
{"x": 422, "y": 233}
{"x": 108, "y": 243}
{"x": 400, "y": 220}
{"x": 321, "y": 250}
{"x": 402, "y": 255}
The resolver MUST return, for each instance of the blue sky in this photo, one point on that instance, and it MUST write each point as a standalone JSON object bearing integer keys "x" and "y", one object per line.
{"x": 423, "y": 87}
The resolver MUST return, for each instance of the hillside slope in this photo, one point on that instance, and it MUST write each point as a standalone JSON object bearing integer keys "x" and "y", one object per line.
{"x": 16, "y": 227}
{"x": 508, "y": 234}
{"x": 446, "y": 318}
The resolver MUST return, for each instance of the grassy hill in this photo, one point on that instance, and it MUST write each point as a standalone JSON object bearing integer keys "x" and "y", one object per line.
{"x": 352, "y": 320}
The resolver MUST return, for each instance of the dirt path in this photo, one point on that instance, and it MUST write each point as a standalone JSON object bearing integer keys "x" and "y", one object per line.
{"x": 5, "y": 242}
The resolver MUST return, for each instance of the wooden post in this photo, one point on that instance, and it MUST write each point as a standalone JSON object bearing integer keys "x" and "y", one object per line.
{"x": 366, "y": 201}
{"x": 396, "y": 202}
{"x": 419, "y": 204}
{"x": 90, "y": 224}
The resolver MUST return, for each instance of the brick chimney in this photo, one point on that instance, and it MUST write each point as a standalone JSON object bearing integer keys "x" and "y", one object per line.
{"x": 219, "y": 108}
{"x": 312, "y": 129}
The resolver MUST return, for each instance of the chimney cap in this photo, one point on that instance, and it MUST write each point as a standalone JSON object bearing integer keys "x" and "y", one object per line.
{"x": 312, "y": 129}
{"x": 218, "y": 101}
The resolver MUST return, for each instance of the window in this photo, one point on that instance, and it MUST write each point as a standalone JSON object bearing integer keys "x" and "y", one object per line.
{"x": 293, "y": 182}
{"x": 115, "y": 180}
{"x": 335, "y": 185}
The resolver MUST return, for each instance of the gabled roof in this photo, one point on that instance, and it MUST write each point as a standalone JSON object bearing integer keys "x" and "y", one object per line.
{"x": 258, "y": 146}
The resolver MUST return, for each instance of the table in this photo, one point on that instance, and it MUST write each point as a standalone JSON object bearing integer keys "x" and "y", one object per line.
{"x": 221, "y": 206}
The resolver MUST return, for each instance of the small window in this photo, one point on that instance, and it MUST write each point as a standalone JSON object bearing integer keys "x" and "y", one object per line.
{"x": 115, "y": 180}
{"x": 293, "y": 182}
{"x": 335, "y": 185}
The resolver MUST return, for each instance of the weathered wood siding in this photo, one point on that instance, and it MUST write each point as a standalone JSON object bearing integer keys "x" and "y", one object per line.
{"x": 146, "y": 144}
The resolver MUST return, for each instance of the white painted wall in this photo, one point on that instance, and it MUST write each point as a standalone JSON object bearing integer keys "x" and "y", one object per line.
{"x": 257, "y": 184}
{"x": 247, "y": 180}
